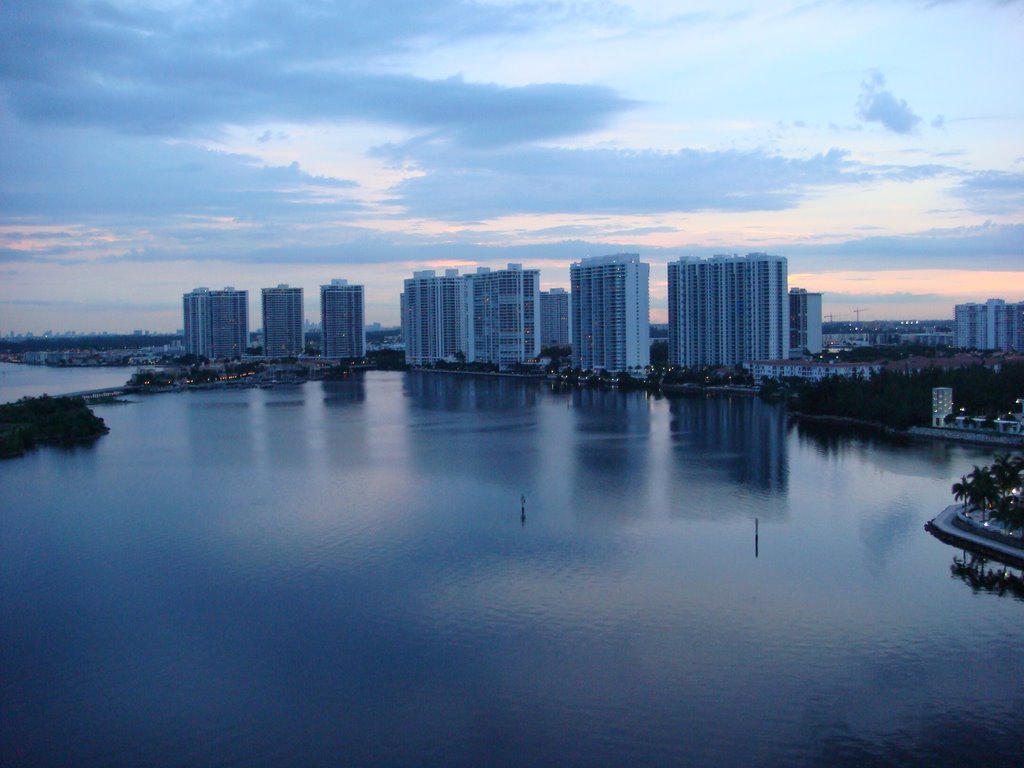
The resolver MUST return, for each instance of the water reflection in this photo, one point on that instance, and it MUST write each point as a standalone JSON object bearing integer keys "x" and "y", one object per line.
{"x": 178, "y": 592}
{"x": 611, "y": 454}
{"x": 894, "y": 452}
{"x": 344, "y": 393}
{"x": 453, "y": 392}
{"x": 282, "y": 423}
{"x": 738, "y": 439}
{"x": 343, "y": 422}
{"x": 231, "y": 419}
{"x": 448, "y": 439}
{"x": 976, "y": 572}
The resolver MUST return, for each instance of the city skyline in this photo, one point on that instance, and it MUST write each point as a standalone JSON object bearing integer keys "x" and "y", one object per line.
{"x": 153, "y": 147}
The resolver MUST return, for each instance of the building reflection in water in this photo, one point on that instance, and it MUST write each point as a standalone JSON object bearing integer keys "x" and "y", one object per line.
{"x": 232, "y": 417}
{"x": 742, "y": 439}
{"x": 344, "y": 392}
{"x": 612, "y": 453}
{"x": 454, "y": 392}
{"x": 342, "y": 421}
{"x": 500, "y": 450}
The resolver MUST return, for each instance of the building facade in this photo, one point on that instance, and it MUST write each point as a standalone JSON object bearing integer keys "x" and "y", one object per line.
{"x": 763, "y": 370}
{"x": 433, "y": 317}
{"x": 342, "y": 320}
{"x": 502, "y": 315}
{"x": 554, "y": 318}
{"x": 804, "y": 322}
{"x": 216, "y": 323}
{"x": 942, "y": 405}
{"x": 283, "y": 334}
{"x": 992, "y": 325}
{"x": 727, "y": 310}
{"x": 610, "y": 313}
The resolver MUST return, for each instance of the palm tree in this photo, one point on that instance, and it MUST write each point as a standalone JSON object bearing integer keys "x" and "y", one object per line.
{"x": 961, "y": 489}
{"x": 1006, "y": 473}
{"x": 983, "y": 493}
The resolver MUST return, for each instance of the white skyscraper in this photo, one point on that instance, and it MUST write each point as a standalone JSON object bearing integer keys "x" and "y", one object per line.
{"x": 610, "y": 322}
{"x": 196, "y": 305}
{"x": 554, "y": 318}
{"x": 502, "y": 315}
{"x": 342, "y": 320}
{"x": 433, "y": 317}
{"x": 282, "y": 322}
{"x": 992, "y": 325}
{"x": 216, "y": 322}
{"x": 727, "y": 310}
{"x": 804, "y": 322}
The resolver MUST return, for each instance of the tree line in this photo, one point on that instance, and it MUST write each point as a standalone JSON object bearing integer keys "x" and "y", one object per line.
{"x": 900, "y": 400}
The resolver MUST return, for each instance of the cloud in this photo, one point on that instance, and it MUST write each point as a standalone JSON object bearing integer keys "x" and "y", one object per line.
{"x": 989, "y": 246}
{"x": 993, "y": 192}
{"x": 877, "y": 105}
{"x": 186, "y": 70}
{"x": 456, "y": 185}
{"x": 78, "y": 174}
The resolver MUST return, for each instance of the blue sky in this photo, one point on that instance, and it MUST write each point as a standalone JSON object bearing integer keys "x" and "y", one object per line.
{"x": 152, "y": 147}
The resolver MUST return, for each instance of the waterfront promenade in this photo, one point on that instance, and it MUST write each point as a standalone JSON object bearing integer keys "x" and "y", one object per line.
{"x": 950, "y": 527}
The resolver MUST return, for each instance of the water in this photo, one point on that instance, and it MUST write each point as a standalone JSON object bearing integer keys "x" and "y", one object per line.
{"x": 340, "y": 574}
{"x": 18, "y": 381}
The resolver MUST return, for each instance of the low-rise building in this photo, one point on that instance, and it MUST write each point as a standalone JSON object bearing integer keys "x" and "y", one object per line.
{"x": 778, "y": 370}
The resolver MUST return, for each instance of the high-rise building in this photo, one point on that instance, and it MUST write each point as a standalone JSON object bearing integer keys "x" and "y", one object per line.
{"x": 727, "y": 310}
{"x": 216, "y": 322}
{"x": 554, "y": 318}
{"x": 502, "y": 315}
{"x": 433, "y": 317}
{"x": 282, "y": 322}
{"x": 804, "y": 322}
{"x": 609, "y": 315}
{"x": 992, "y": 325}
{"x": 342, "y": 320}
{"x": 197, "y": 322}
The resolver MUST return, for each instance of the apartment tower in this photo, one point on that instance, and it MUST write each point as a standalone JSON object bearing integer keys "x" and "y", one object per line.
{"x": 283, "y": 335}
{"x": 554, "y": 318}
{"x": 804, "y": 322}
{"x": 609, "y": 313}
{"x": 727, "y": 310}
{"x": 342, "y": 320}
{"x": 992, "y": 325}
{"x": 502, "y": 315}
{"x": 216, "y": 323}
{"x": 433, "y": 317}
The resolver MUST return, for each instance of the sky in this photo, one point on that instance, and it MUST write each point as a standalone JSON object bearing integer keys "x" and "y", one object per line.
{"x": 148, "y": 148}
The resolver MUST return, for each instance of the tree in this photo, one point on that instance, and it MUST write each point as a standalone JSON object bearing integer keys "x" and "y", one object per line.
{"x": 1006, "y": 473}
{"x": 983, "y": 493}
{"x": 961, "y": 489}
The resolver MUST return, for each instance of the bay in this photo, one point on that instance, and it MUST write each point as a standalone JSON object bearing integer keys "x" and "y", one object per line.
{"x": 18, "y": 381}
{"x": 342, "y": 573}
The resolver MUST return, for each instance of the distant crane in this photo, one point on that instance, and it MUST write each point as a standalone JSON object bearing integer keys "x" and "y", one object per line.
{"x": 857, "y": 312}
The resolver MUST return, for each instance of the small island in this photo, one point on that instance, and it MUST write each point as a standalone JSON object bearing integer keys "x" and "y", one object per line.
{"x": 46, "y": 420}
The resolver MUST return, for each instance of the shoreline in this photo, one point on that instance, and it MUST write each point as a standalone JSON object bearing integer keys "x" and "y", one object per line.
{"x": 944, "y": 526}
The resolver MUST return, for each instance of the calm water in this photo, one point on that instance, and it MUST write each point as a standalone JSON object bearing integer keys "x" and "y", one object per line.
{"x": 339, "y": 574}
{"x": 18, "y": 381}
